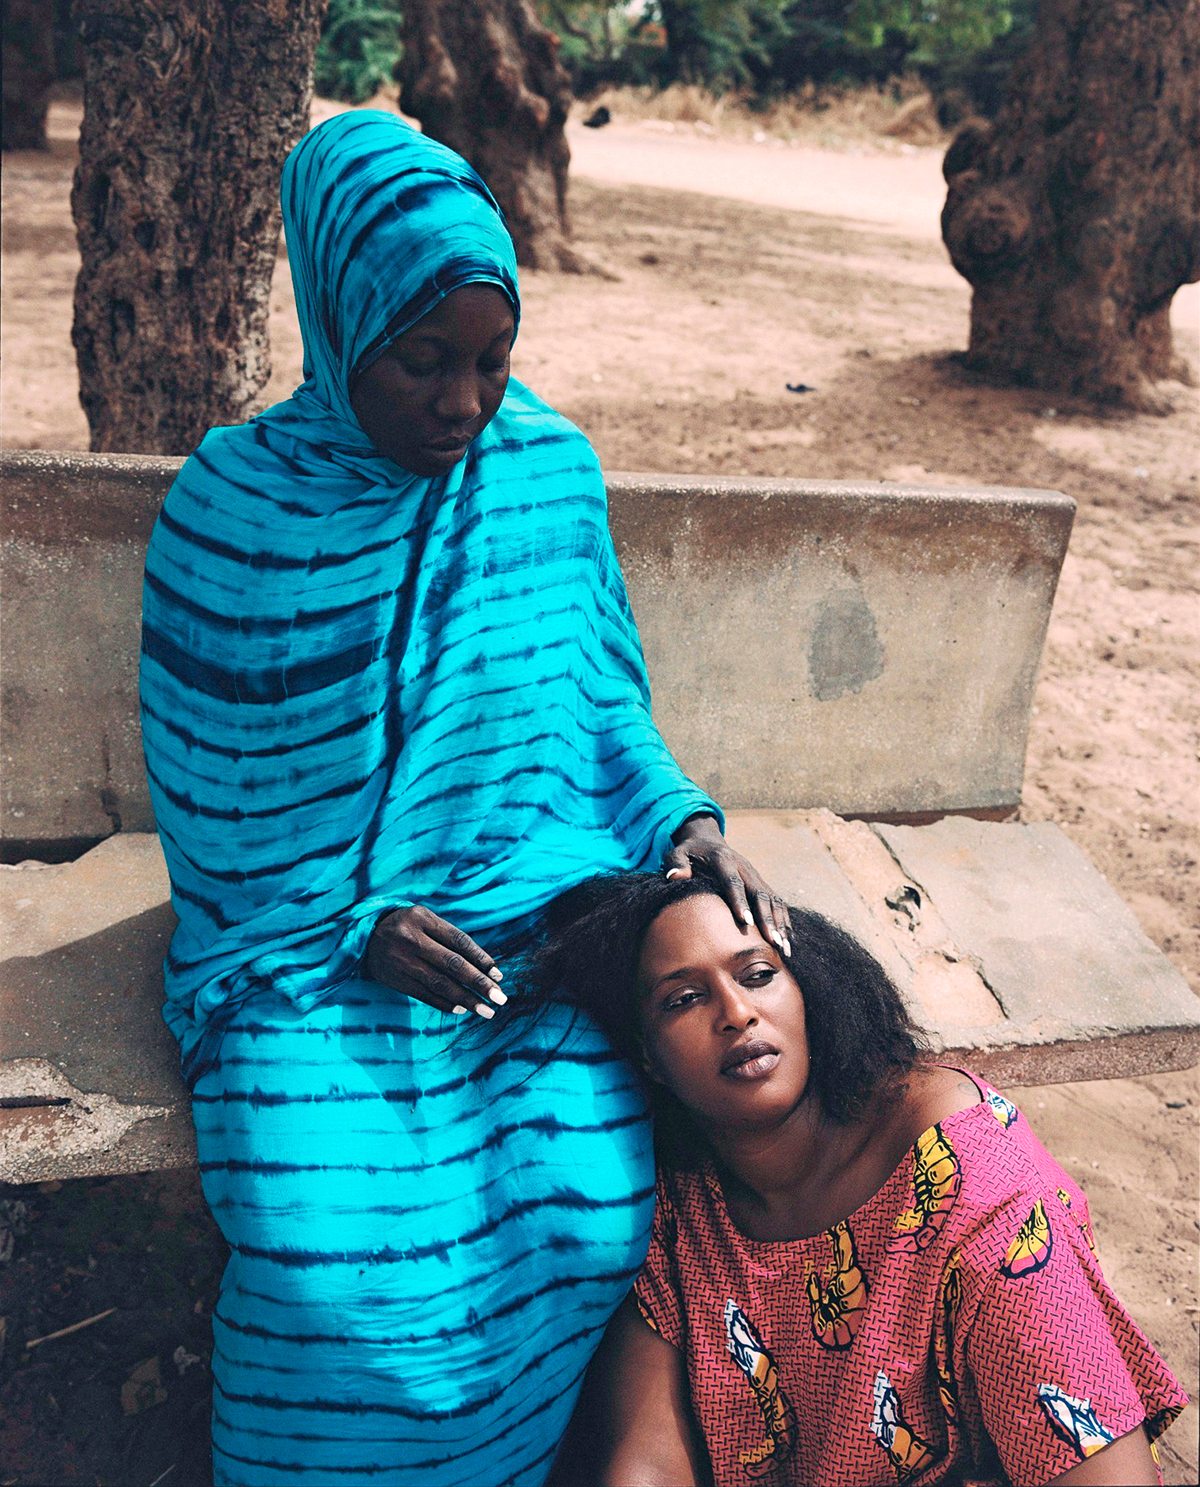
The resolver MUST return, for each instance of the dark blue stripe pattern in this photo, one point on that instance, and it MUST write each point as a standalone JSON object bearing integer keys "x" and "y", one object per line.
{"x": 364, "y": 689}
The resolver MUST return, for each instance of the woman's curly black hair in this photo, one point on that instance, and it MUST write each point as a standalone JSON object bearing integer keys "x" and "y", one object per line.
{"x": 860, "y": 1036}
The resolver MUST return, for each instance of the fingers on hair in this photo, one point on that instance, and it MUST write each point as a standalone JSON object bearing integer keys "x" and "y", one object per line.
{"x": 859, "y": 1030}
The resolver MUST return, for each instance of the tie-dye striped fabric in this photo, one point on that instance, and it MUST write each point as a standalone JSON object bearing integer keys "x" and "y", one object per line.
{"x": 362, "y": 688}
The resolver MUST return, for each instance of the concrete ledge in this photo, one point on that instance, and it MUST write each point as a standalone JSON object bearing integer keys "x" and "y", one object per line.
{"x": 1010, "y": 948}
{"x": 74, "y": 535}
{"x": 89, "y": 1082}
{"x": 868, "y": 647}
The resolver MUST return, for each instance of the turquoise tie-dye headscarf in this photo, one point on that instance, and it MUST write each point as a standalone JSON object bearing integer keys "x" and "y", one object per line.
{"x": 361, "y": 687}
{"x": 381, "y": 223}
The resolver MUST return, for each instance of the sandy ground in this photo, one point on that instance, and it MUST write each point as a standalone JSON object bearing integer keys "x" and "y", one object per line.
{"x": 737, "y": 268}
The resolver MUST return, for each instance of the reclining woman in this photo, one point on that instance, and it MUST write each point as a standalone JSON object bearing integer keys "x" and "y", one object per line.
{"x": 864, "y": 1268}
{"x": 393, "y": 702}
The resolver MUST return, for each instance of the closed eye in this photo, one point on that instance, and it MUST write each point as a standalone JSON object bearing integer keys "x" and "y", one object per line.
{"x": 680, "y": 999}
{"x": 761, "y": 975}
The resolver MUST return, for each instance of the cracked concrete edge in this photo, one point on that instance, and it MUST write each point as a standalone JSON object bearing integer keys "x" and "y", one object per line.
{"x": 70, "y": 1133}
{"x": 943, "y": 984}
{"x": 1007, "y": 1050}
{"x": 948, "y": 986}
{"x": 1079, "y": 1058}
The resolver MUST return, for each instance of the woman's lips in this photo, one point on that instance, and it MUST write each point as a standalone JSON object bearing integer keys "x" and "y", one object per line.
{"x": 448, "y": 446}
{"x": 749, "y": 1061}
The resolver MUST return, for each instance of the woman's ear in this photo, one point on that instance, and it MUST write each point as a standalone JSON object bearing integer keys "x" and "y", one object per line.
{"x": 646, "y": 1063}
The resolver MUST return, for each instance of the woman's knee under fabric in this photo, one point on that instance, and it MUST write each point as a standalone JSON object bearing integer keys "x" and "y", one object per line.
{"x": 427, "y": 1233}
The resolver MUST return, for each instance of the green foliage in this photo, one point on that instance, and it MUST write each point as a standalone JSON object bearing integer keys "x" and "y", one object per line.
{"x": 773, "y": 45}
{"x": 358, "y": 50}
{"x": 591, "y": 31}
{"x": 720, "y": 43}
{"x": 938, "y": 31}
{"x": 603, "y": 41}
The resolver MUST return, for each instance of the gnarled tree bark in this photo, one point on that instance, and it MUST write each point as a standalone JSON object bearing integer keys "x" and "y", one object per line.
{"x": 190, "y": 108}
{"x": 1076, "y": 214}
{"x": 486, "y": 79}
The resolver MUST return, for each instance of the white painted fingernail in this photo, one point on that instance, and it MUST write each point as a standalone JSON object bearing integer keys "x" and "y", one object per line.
{"x": 486, "y": 1012}
{"x": 498, "y": 997}
{"x": 496, "y": 973}
{"x": 787, "y": 947}
{"x": 676, "y": 872}
{"x": 457, "y": 1011}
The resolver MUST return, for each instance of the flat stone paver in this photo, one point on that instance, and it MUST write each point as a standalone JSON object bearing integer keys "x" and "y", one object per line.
{"x": 89, "y": 1081}
{"x": 1078, "y": 979}
{"x": 1011, "y": 949}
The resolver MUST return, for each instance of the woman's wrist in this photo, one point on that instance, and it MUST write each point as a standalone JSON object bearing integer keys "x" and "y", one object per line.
{"x": 701, "y": 827}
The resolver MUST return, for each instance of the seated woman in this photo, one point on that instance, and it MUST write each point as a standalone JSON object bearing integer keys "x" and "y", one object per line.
{"x": 864, "y": 1267}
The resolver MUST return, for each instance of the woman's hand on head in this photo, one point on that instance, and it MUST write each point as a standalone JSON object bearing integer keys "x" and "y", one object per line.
{"x": 415, "y": 951}
{"x": 750, "y": 897}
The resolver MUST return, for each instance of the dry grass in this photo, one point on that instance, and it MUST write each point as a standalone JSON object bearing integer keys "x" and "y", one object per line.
{"x": 831, "y": 118}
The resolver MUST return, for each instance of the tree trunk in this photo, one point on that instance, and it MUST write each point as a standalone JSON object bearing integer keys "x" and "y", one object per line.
{"x": 1076, "y": 215}
{"x": 190, "y": 108}
{"x": 28, "y": 72}
{"x": 485, "y": 79}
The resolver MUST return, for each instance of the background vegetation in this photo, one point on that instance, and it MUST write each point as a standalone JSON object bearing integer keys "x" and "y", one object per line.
{"x": 764, "y": 49}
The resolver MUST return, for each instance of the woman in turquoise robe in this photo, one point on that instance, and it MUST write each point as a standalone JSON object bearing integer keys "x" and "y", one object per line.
{"x": 390, "y": 710}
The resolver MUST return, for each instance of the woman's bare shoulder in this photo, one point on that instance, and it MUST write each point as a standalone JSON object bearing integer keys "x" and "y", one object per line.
{"x": 934, "y": 1093}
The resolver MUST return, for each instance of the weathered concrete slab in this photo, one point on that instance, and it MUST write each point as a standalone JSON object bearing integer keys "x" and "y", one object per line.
{"x": 867, "y": 647}
{"x": 1078, "y": 980}
{"x": 1011, "y": 949}
{"x": 74, "y": 534}
{"x": 843, "y": 870}
{"x": 89, "y": 1079}
{"x": 50, "y": 1129}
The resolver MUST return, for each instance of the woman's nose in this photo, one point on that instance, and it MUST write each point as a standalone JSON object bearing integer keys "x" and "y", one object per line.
{"x": 458, "y": 400}
{"x": 735, "y": 1010}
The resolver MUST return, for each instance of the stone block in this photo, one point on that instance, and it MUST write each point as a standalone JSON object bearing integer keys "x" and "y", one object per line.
{"x": 1082, "y": 988}
{"x": 89, "y": 1081}
{"x": 75, "y": 528}
{"x": 870, "y": 648}
{"x": 1011, "y": 950}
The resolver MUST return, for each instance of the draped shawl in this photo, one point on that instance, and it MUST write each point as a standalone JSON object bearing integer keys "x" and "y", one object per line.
{"x": 362, "y": 688}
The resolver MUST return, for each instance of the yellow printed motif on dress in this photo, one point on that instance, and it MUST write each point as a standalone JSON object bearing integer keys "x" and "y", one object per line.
{"x": 1031, "y": 1248}
{"x": 752, "y": 1357}
{"x": 1084, "y": 1227}
{"x": 937, "y": 1178}
{"x": 950, "y": 1301}
{"x": 907, "y": 1452}
{"x": 839, "y": 1306}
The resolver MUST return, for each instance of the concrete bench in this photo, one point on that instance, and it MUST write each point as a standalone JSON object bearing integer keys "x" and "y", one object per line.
{"x": 868, "y": 648}
{"x": 813, "y": 648}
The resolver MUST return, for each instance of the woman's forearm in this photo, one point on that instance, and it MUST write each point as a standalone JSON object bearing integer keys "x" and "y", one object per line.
{"x": 699, "y": 827}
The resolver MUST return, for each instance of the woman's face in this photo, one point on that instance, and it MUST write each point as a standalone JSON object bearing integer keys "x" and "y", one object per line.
{"x": 438, "y": 385}
{"x": 722, "y": 1019}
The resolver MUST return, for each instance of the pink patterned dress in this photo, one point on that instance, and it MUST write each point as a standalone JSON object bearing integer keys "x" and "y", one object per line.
{"x": 955, "y": 1329}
